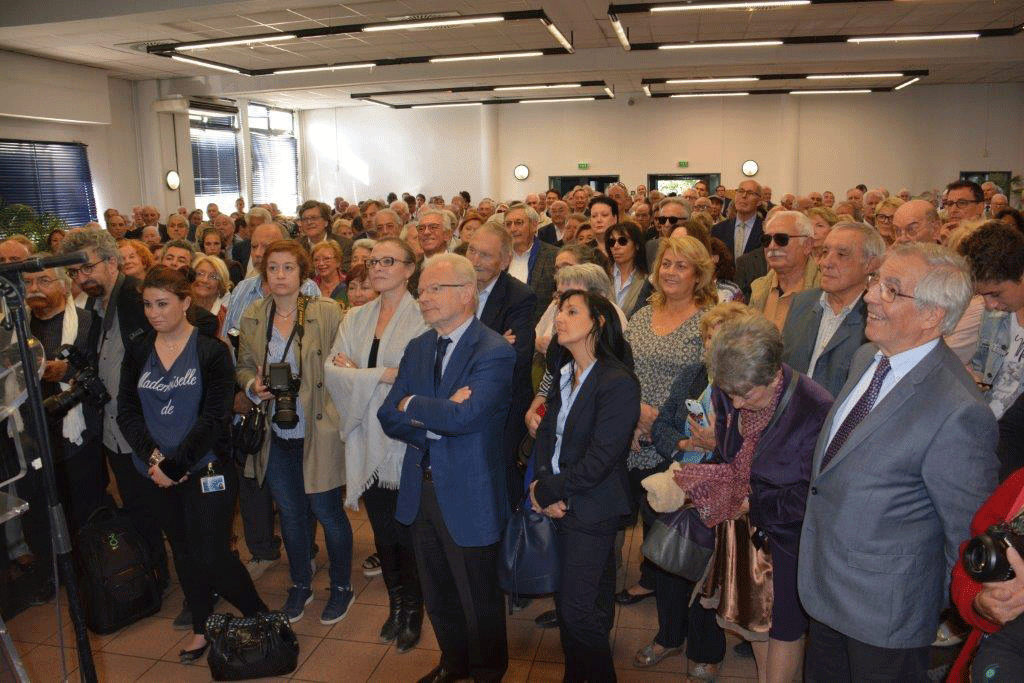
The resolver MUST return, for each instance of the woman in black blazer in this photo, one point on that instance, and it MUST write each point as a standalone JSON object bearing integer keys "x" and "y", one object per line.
{"x": 581, "y": 481}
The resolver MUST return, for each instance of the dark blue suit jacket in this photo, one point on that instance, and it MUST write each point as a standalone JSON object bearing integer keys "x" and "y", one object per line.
{"x": 726, "y": 231}
{"x": 467, "y": 461}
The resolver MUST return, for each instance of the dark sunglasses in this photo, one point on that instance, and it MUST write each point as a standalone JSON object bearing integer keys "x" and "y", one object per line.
{"x": 781, "y": 239}
{"x": 612, "y": 241}
{"x": 669, "y": 219}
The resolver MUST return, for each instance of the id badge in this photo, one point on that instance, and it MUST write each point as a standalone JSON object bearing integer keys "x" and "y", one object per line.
{"x": 213, "y": 483}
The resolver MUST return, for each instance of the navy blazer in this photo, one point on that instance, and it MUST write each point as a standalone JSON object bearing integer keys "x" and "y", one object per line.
{"x": 800, "y": 335}
{"x": 592, "y": 475}
{"x": 726, "y": 231}
{"x": 467, "y": 462}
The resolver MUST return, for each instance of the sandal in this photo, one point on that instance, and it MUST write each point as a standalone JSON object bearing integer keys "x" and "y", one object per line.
{"x": 371, "y": 566}
{"x": 647, "y": 656}
{"x": 702, "y": 673}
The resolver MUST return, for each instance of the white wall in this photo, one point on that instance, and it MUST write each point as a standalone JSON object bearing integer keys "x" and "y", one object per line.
{"x": 921, "y": 138}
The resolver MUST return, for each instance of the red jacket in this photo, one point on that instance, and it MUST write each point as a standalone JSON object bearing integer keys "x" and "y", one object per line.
{"x": 964, "y": 589}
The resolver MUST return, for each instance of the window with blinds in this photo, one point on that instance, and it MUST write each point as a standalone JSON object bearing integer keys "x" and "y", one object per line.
{"x": 275, "y": 157}
{"x": 215, "y": 165}
{"x": 51, "y": 177}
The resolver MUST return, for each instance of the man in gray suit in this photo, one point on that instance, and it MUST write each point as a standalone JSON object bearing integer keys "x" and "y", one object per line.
{"x": 906, "y": 456}
{"x": 825, "y": 326}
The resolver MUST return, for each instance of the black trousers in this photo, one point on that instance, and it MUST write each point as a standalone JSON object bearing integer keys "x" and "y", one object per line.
{"x": 585, "y": 601}
{"x": 836, "y": 658}
{"x": 1000, "y": 656}
{"x": 679, "y": 621}
{"x": 134, "y": 490}
{"x": 257, "y": 510}
{"x": 198, "y": 527}
{"x": 463, "y": 600}
{"x": 82, "y": 483}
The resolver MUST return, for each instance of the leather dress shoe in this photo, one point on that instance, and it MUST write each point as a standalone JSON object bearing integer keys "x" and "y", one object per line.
{"x": 547, "y": 619}
{"x": 627, "y": 598}
{"x": 442, "y": 675}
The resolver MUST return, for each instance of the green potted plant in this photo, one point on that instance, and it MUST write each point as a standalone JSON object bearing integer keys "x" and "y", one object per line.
{"x": 21, "y": 219}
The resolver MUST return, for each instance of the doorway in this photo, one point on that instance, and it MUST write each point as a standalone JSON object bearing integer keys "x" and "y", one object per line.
{"x": 677, "y": 183}
{"x": 565, "y": 183}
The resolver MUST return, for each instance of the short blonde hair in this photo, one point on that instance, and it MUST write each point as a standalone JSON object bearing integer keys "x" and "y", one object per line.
{"x": 824, "y": 213}
{"x": 722, "y": 313}
{"x": 694, "y": 253}
{"x": 218, "y": 266}
{"x": 331, "y": 245}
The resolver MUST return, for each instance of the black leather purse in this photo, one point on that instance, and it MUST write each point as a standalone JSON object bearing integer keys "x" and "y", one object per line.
{"x": 253, "y": 647}
{"x": 250, "y": 432}
{"x": 530, "y": 558}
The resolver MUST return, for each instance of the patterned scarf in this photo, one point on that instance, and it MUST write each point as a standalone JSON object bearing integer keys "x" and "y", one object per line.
{"x": 718, "y": 489}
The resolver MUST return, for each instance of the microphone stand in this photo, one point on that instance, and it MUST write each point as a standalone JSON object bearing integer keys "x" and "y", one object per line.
{"x": 12, "y": 290}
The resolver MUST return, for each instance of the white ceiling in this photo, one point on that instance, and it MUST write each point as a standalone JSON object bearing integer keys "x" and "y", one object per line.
{"x": 111, "y": 42}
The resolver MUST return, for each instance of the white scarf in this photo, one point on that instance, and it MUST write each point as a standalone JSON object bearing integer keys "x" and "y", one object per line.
{"x": 74, "y": 422}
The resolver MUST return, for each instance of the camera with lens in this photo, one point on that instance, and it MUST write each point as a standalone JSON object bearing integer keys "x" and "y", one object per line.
{"x": 285, "y": 388}
{"x": 985, "y": 555}
{"x": 86, "y": 385}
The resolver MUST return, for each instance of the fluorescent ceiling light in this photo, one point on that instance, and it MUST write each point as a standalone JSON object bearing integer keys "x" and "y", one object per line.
{"x": 737, "y": 43}
{"x": 452, "y": 104}
{"x": 199, "y": 111}
{"x": 49, "y": 118}
{"x": 609, "y": 92}
{"x": 471, "y": 58}
{"x": 559, "y": 99}
{"x": 539, "y": 87}
{"x": 620, "y": 32}
{"x": 828, "y": 92}
{"x": 199, "y": 62}
{"x": 903, "y": 85}
{"x": 237, "y": 41}
{"x": 647, "y": 90}
{"x": 433, "y": 23}
{"x": 731, "y": 79}
{"x": 553, "y": 30}
{"x": 755, "y": 4}
{"x": 822, "y": 77}
{"x": 336, "y": 67}
{"x": 710, "y": 94}
{"x": 898, "y": 39}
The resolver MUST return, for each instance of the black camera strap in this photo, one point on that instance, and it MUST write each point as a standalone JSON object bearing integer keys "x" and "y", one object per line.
{"x": 297, "y": 331}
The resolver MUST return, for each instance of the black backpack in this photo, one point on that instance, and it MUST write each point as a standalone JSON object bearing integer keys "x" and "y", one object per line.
{"x": 119, "y": 578}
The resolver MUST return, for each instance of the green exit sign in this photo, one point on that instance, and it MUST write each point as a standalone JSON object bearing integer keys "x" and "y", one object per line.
{"x": 683, "y": 164}
{"x": 583, "y": 165}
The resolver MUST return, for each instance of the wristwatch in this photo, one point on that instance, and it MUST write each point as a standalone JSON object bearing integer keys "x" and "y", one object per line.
{"x": 156, "y": 458}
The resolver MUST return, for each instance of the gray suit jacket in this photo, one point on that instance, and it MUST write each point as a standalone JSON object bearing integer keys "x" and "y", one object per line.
{"x": 801, "y": 333}
{"x": 884, "y": 520}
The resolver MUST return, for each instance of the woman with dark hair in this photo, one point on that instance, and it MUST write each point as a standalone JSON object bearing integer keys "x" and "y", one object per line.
{"x": 604, "y": 213}
{"x": 1011, "y": 217}
{"x": 195, "y": 217}
{"x": 174, "y": 407}
{"x": 210, "y": 242}
{"x": 580, "y": 476}
{"x": 625, "y": 244}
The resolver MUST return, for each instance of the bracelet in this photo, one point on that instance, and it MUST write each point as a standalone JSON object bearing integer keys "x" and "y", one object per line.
{"x": 156, "y": 458}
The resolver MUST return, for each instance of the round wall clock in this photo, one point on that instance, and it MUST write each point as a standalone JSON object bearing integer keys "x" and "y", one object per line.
{"x": 749, "y": 168}
{"x": 521, "y": 172}
{"x": 173, "y": 180}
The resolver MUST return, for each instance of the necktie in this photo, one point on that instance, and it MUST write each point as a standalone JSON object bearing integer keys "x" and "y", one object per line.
{"x": 442, "y": 346}
{"x": 859, "y": 412}
{"x": 740, "y": 238}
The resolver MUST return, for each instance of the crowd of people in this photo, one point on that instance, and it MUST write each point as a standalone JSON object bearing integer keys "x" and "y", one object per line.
{"x": 832, "y": 386}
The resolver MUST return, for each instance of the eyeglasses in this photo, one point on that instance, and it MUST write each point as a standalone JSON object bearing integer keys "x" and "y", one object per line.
{"x": 384, "y": 261}
{"x": 310, "y": 219}
{"x": 780, "y": 238}
{"x": 203, "y": 275}
{"x": 747, "y": 193}
{"x": 910, "y": 231}
{"x": 612, "y": 241}
{"x": 85, "y": 270}
{"x": 424, "y": 227}
{"x": 433, "y": 290}
{"x": 671, "y": 220}
{"x": 887, "y": 292}
{"x": 960, "y": 203}
{"x": 883, "y": 218}
{"x": 39, "y": 281}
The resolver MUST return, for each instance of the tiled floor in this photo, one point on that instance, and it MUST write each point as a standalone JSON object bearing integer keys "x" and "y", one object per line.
{"x": 348, "y": 651}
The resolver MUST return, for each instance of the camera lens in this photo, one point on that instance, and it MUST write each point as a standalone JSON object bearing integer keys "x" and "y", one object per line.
{"x": 985, "y": 560}
{"x": 285, "y": 415}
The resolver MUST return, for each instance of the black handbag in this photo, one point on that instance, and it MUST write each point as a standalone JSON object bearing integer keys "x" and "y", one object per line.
{"x": 680, "y": 543}
{"x": 530, "y": 560}
{"x": 253, "y": 647}
{"x": 250, "y": 432}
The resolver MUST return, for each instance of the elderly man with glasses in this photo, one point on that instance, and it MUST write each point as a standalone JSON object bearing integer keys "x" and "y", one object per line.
{"x": 742, "y": 233}
{"x": 788, "y": 243}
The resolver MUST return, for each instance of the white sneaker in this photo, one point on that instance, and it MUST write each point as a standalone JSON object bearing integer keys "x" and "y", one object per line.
{"x": 257, "y": 567}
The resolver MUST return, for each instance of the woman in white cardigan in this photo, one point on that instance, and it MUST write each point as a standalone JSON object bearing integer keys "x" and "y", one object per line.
{"x": 359, "y": 373}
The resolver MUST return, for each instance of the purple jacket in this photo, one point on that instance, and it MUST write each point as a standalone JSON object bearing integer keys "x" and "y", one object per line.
{"x": 781, "y": 471}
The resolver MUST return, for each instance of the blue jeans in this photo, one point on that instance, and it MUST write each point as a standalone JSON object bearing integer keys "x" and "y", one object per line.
{"x": 284, "y": 477}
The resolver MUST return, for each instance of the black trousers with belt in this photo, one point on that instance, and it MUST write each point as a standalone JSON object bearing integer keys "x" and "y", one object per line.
{"x": 463, "y": 600}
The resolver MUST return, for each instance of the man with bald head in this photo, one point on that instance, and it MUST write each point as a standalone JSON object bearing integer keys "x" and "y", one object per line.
{"x": 998, "y": 203}
{"x": 904, "y": 194}
{"x": 916, "y": 221}
{"x": 787, "y": 201}
{"x": 817, "y": 201}
{"x": 742, "y": 233}
{"x": 536, "y": 202}
{"x": 872, "y": 198}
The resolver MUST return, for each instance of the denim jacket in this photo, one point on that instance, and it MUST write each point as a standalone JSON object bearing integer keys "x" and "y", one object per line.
{"x": 993, "y": 343}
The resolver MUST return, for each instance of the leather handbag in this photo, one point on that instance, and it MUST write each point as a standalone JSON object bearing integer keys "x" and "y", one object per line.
{"x": 680, "y": 543}
{"x": 253, "y": 647}
{"x": 530, "y": 560}
{"x": 250, "y": 432}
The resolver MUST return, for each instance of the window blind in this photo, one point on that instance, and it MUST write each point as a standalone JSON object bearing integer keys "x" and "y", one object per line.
{"x": 51, "y": 177}
{"x": 215, "y": 162}
{"x": 275, "y": 170}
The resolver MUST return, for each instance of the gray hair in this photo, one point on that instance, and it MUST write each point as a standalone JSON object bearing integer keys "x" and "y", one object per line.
{"x": 946, "y": 284}
{"x": 873, "y": 244}
{"x": 59, "y": 271}
{"x": 392, "y": 212}
{"x": 499, "y": 231}
{"x": 803, "y": 224}
{"x": 438, "y": 212}
{"x": 496, "y": 219}
{"x": 531, "y": 215}
{"x": 100, "y": 240}
{"x": 461, "y": 266}
{"x": 592, "y": 276}
{"x": 259, "y": 212}
{"x": 745, "y": 353}
{"x": 180, "y": 244}
{"x": 678, "y": 201}
{"x": 364, "y": 243}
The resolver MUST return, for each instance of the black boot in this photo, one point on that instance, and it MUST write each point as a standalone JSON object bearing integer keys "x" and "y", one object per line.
{"x": 412, "y": 623}
{"x": 393, "y": 625}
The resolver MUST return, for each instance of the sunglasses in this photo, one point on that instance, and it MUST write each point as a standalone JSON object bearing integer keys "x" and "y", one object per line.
{"x": 781, "y": 239}
{"x": 662, "y": 220}
{"x": 612, "y": 241}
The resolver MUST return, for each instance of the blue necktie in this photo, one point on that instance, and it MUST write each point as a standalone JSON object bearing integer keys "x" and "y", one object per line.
{"x": 859, "y": 412}
{"x": 442, "y": 346}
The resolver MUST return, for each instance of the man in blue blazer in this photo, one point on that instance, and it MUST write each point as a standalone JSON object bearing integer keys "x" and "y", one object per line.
{"x": 449, "y": 403}
{"x": 746, "y": 199}
{"x": 904, "y": 459}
